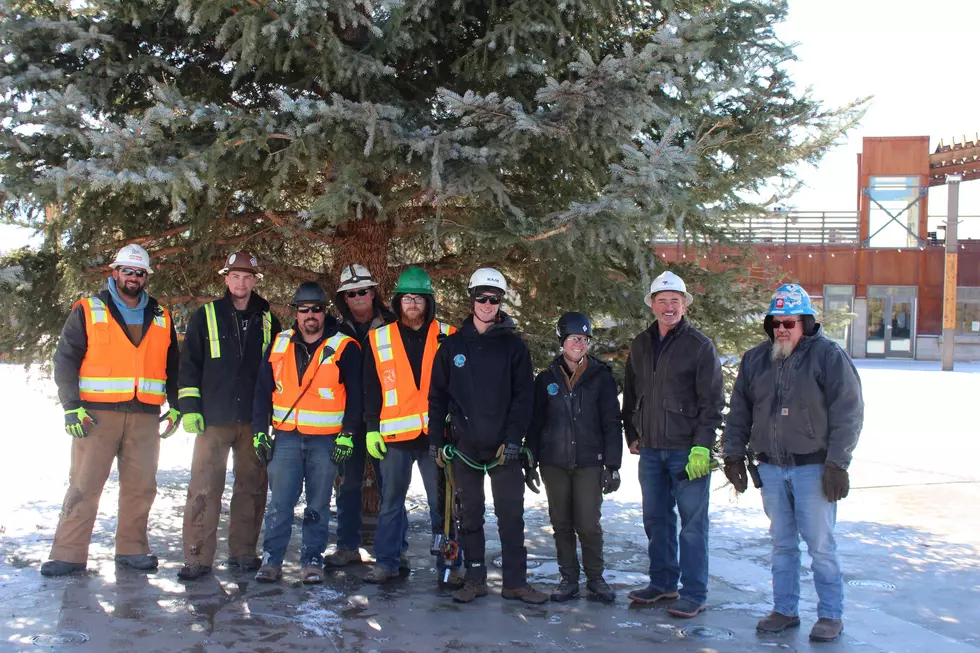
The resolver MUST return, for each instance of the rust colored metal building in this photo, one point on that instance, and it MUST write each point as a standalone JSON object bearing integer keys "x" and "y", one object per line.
{"x": 883, "y": 262}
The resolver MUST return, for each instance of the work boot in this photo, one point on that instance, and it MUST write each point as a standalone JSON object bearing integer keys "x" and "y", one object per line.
{"x": 529, "y": 594}
{"x": 686, "y": 609}
{"x": 312, "y": 574}
{"x": 268, "y": 573}
{"x": 61, "y": 568}
{"x": 141, "y": 561}
{"x": 193, "y": 571}
{"x": 826, "y": 630}
{"x": 470, "y": 590}
{"x": 379, "y": 574}
{"x": 342, "y": 558}
{"x": 403, "y": 561}
{"x": 566, "y": 591}
{"x": 776, "y": 622}
{"x": 651, "y": 594}
{"x": 456, "y": 578}
{"x": 244, "y": 563}
{"x": 598, "y": 587}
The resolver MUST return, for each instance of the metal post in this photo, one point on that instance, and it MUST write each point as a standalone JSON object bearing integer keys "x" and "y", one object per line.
{"x": 949, "y": 285}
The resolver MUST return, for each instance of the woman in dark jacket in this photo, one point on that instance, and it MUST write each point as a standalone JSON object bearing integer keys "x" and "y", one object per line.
{"x": 576, "y": 436}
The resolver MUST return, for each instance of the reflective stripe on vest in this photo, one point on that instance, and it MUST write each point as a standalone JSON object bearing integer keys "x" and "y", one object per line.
{"x": 212, "y": 321}
{"x": 405, "y": 410}
{"x": 115, "y": 370}
{"x": 282, "y": 341}
{"x": 266, "y": 330}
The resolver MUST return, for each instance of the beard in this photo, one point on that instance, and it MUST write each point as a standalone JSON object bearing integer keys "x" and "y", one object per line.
{"x": 128, "y": 290}
{"x": 781, "y": 350}
{"x": 413, "y": 321}
{"x": 310, "y": 327}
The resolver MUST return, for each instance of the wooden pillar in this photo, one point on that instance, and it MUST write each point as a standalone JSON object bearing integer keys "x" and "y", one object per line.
{"x": 949, "y": 282}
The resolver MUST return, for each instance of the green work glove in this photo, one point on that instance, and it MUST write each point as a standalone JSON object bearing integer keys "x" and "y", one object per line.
{"x": 343, "y": 447}
{"x": 376, "y": 445}
{"x": 194, "y": 423}
{"x": 263, "y": 446}
{"x": 172, "y": 418}
{"x": 698, "y": 463}
{"x": 78, "y": 422}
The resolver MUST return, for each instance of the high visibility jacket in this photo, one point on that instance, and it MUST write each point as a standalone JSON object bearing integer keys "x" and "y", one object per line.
{"x": 113, "y": 369}
{"x": 405, "y": 406}
{"x": 313, "y": 405}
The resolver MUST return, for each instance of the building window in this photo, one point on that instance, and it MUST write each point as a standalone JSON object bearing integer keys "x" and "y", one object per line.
{"x": 893, "y": 212}
{"x": 968, "y": 318}
{"x": 837, "y": 311}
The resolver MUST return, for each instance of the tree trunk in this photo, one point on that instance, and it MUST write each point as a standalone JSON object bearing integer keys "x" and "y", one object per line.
{"x": 363, "y": 241}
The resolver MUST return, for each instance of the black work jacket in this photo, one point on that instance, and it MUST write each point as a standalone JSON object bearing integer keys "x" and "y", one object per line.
{"x": 484, "y": 383}
{"x": 579, "y": 427}
{"x": 218, "y": 370}
{"x": 675, "y": 401}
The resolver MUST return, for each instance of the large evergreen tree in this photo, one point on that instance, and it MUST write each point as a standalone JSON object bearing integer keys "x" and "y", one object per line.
{"x": 557, "y": 141}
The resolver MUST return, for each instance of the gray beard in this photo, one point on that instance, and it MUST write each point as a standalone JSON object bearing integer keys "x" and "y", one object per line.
{"x": 780, "y": 351}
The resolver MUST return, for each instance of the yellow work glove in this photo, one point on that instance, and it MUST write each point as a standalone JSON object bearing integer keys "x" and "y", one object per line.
{"x": 376, "y": 445}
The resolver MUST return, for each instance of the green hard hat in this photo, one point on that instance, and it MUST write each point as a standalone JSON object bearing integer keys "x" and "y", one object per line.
{"x": 414, "y": 281}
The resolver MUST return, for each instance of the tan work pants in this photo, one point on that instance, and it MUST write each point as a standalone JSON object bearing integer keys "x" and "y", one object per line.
{"x": 203, "y": 509}
{"x": 134, "y": 439}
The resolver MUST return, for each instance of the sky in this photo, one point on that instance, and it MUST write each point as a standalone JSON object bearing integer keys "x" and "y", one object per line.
{"x": 914, "y": 58}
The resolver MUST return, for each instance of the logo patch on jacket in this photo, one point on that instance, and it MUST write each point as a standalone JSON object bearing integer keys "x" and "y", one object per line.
{"x": 459, "y": 360}
{"x": 785, "y": 412}
{"x": 552, "y": 389}
{"x": 389, "y": 380}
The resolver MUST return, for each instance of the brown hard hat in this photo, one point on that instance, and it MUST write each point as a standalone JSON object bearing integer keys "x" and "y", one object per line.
{"x": 242, "y": 261}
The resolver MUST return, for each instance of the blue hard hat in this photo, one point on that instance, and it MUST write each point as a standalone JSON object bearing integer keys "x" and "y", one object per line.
{"x": 791, "y": 299}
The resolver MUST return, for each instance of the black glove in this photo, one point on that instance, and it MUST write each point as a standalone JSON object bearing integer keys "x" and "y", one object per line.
{"x": 736, "y": 473}
{"x": 836, "y": 482}
{"x": 610, "y": 480}
{"x": 263, "y": 445}
{"x": 343, "y": 447}
{"x": 531, "y": 478}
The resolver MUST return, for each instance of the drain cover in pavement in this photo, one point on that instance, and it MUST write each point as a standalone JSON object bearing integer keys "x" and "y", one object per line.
{"x": 872, "y": 585}
{"x": 706, "y": 632}
{"x": 60, "y": 638}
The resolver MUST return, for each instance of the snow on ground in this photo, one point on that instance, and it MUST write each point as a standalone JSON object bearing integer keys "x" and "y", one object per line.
{"x": 908, "y": 533}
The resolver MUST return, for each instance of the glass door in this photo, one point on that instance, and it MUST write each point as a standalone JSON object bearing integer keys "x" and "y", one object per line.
{"x": 891, "y": 326}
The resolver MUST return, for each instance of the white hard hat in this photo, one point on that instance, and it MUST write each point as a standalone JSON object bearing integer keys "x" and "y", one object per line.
{"x": 488, "y": 277}
{"x": 668, "y": 281}
{"x": 354, "y": 277}
{"x": 132, "y": 256}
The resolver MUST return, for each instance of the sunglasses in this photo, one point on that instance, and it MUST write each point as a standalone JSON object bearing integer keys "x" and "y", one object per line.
{"x": 319, "y": 308}
{"x": 132, "y": 272}
{"x": 786, "y": 324}
{"x": 483, "y": 299}
{"x": 351, "y": 294}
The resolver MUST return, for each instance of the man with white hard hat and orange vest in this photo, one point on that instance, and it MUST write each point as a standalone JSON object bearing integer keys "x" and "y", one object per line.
{"x": 115, "y": 366}
{"x": 309, "y": 388}
{"x": 223, "y": 347}
{"x": 482, "y": 378}
{"x": 672, "y": 407}
{"x": 397, "y": 374}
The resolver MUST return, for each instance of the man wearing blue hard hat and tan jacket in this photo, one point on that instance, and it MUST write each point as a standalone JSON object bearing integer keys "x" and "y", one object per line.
{"x": 797, "y": 404}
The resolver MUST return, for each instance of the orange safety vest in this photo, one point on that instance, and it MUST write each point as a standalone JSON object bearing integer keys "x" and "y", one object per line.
{"x": 405, "y": 407}
{"x": 116, "y": 370}
{"x": 320, "y": 409}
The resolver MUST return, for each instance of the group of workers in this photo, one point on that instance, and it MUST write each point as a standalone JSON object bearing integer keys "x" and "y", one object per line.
{"x": 398, "y": 388}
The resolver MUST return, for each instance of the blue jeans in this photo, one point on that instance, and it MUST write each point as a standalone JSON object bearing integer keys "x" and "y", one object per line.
{"x": 661, "y": 493}
{"x": 796, "y": 506}
{"x": 299, "y": 459}
{"x": 396, "y": 469}
{"x": 350, "y": 495}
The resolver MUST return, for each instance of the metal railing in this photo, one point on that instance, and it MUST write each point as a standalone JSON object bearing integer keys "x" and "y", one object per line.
{"x": 797, "y": 227}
